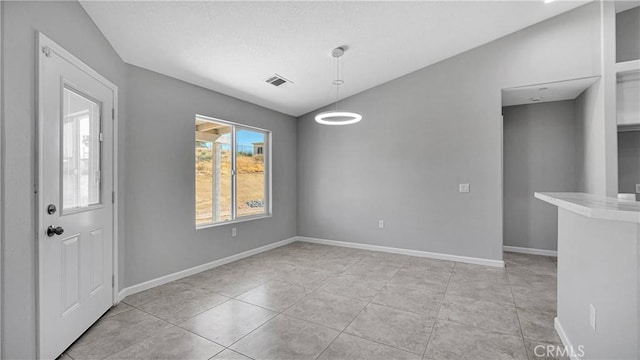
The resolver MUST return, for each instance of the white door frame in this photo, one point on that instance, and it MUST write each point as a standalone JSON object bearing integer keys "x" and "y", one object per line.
{"x": 1, "y": 183}
{"x": 43, "y": 43}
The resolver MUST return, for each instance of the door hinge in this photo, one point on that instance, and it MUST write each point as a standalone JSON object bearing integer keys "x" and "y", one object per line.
{"x": 113, "y": 197}
{"x": 113, "y": 281}
{"x": 113, "y": 113}
{"x": 101, "y": 137}
{"x": 47, "y": 51}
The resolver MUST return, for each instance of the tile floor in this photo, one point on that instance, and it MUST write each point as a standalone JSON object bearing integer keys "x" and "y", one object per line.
{"x": 308, "y": 301}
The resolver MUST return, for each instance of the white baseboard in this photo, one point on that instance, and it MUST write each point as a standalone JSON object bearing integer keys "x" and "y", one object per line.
{"x": 440, "y": 256}
{"x": 200, "y": 268}
{"x": 530, "y": 251}
{"x": 210, "y": 265}
{"x": 573, "y": 352}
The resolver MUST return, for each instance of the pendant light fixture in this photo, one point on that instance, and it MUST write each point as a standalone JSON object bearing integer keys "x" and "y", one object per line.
{"x": 338, "y": 117}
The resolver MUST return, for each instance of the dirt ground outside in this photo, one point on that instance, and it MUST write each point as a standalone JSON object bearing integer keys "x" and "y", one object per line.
{"x": 250, "y": 185}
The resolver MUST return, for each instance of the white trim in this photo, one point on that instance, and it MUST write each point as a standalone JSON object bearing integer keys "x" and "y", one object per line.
{"x": 625, "y": 66}
{"x": 565, "y": 340}
{"x": 200, "y": 268}
{"x": 116, "y": 198}
{"x": 418, "y": 253}
{"x": 1, "y": 182}
{"x": 531, "y": 251}
{"x": 238, "y": 220}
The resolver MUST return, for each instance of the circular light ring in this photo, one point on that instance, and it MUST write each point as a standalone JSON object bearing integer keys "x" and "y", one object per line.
{"x": 350, "y": 118}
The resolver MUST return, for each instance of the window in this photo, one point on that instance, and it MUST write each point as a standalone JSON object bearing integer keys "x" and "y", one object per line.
{"x": 232, "y": 171}
{"x": 80, "y": 152}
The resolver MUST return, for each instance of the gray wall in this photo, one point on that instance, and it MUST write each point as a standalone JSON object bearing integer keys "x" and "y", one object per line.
{"x": 628, "y": 35}
{"x": 160, "y": 177}
{"x": 425, "y": 133}
{"x": 156, "y": 135}
{"x": 628, "y": 161}
{"x": 539, "y": 155}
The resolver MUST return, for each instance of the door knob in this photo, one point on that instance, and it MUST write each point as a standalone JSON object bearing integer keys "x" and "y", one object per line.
{"x": 54, "y": 230}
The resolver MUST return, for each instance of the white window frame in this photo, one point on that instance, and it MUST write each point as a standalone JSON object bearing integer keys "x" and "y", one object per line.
{"x": 267, "y": 161}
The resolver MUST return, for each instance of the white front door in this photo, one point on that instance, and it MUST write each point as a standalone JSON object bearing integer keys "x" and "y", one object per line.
{"x": 75, "y": 198}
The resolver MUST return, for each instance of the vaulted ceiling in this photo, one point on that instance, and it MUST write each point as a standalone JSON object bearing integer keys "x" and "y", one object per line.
{"x": 233, "y": 46}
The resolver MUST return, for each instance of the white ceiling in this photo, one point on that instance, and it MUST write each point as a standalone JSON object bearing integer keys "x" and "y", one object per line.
{"x": 539, "y": 93}
{"x": 233, "y": 46}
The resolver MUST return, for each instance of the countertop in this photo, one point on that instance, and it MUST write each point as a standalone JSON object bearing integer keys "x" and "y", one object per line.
{"x": 594, "y": 206}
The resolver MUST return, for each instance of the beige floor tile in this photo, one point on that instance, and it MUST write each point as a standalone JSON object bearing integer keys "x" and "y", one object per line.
{"x": 284, "y": 337}
{"x": 535, "y": 298}
{"x": 171, "y": 344}
{"x": 481, "y": 289}
{"x": 235, "y": 284}
{"x": 331, "y": 264}
{"x": 118, "y": 309}
{"x": 481, "y": 311}
{"x": 538, "y": 324}
{"x": 116, "y": 333}
{"x": 352, "y": 347}
{"x": 372, "y": 270}
{"x": 276, "y": 295}
{"x": 488, "y": 315}
{"x": 386, "y": 259}
{"x": 480, "y": 272}
{"x": 327, "y": 309}
{"x": 460, "y": 342}
{"x": 305, "y": 276}
{"x": 230, "y": 355}
{"x": 179, "y": 306}
{"x": 353, "y": 287}
{"x": 423, "y": 301}
{"x": 228, "y": 322}
{"x": 400, "y": 329}
{"x": 533, "y": 280}
{"x": 422, "y": 278}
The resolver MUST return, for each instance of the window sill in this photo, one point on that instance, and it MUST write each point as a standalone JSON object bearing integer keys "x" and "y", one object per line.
{"x": 244, "y": 219}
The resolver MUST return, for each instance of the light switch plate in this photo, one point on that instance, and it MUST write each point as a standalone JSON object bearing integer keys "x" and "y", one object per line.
{"x": 464, "y": 188}
{"x": 592, "y": 316}
{"x": 637, "y": 188}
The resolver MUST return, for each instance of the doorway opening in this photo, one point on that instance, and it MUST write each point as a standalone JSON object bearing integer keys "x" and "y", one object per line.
{"x": 543, "y": 145}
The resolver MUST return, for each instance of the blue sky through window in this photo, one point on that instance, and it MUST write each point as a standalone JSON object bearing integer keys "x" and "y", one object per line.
{"x": 247, "y": 138}
{"x": 244, "y": 141}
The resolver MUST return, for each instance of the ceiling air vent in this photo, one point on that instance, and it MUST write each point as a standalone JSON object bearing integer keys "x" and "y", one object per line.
{"x": 277, "y": 80}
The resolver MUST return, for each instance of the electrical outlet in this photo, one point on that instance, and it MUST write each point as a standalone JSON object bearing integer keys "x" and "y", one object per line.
{"x": 592, "y": 316}
{"x": 381, "y": 224}
{"x": 464, "y": 188}
{"x": 234, "y": 232}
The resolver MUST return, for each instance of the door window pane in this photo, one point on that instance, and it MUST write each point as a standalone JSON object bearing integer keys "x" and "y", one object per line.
{"x": 250, "y": 168}
{"x": 80, "y": 151}
{"x": 213, "y": 172}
